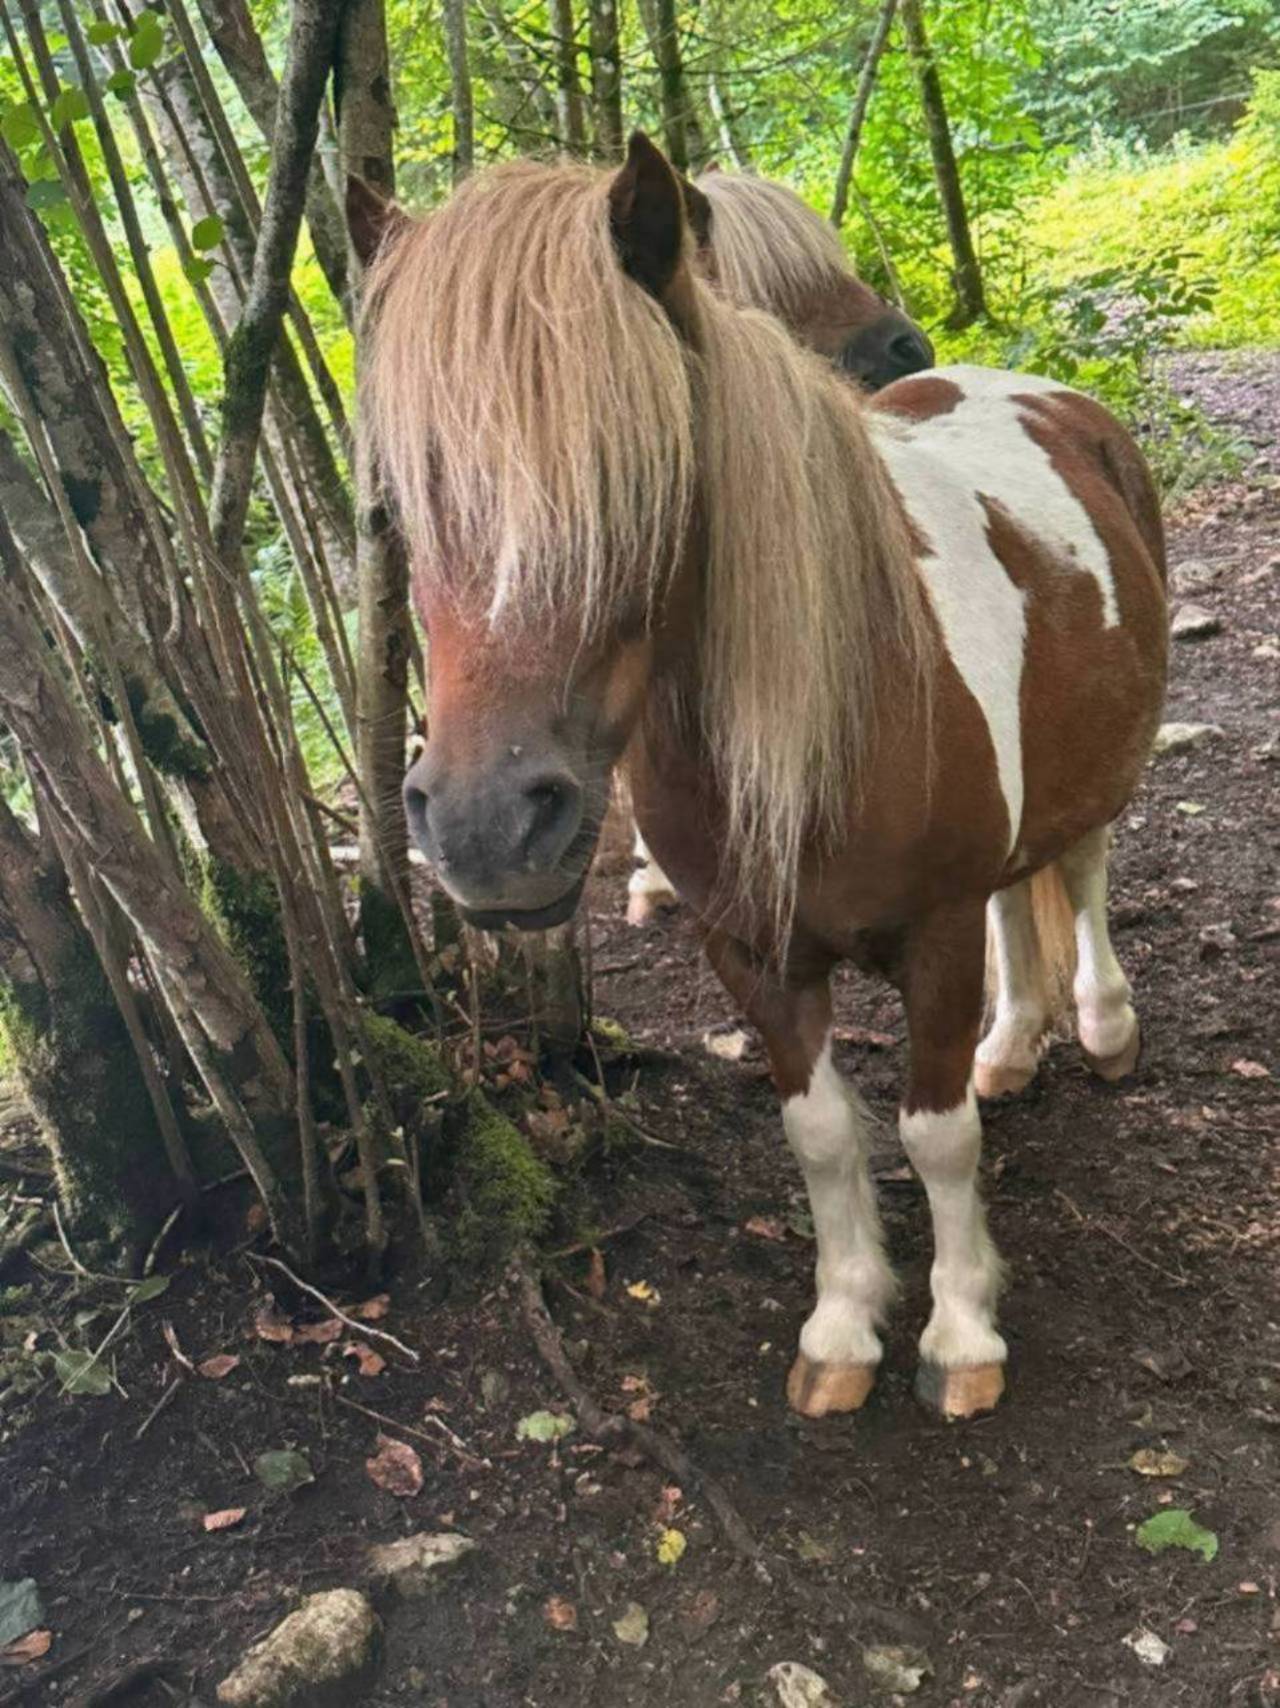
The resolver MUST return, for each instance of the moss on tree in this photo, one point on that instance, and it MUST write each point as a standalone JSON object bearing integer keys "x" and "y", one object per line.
{"x": 506, "y": 1193}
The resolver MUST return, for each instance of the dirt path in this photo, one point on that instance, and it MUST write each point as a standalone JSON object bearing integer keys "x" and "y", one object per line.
{"x": 1142, "y": 1229}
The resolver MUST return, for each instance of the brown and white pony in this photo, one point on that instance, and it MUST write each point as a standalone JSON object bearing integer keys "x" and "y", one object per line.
{"x": 869, "y": 665}
{"x": 763, "y": 247}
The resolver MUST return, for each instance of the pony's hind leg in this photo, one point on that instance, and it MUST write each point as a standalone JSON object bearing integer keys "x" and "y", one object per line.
{"x": 961, "y": 1355}
{"x": 1008, "y": 1055}
{"x": 649, "y": 889}
{"x": 827, "y": 1128}
{"x": 1109, "y": 1032}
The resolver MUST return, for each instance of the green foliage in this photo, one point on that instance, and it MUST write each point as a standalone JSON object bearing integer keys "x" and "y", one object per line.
{"x": 146, "y": 40}
{"x": 207, "y": 233}
{"x": 1174, "y": 1527}
{"x": 506, "y": 1191}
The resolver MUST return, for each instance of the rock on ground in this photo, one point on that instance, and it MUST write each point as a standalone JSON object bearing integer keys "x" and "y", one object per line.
{"x": 1193, "y": 622}
{"x": 799, "y": 1687}
{"x": 1179, "y": 738}
{"x": 413, "y": 1565}
{"x": 322, "y": 1656}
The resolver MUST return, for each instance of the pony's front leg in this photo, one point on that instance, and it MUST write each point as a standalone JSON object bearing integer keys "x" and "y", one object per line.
{"x": 649, "y": 888}
{"x": 961, "y": 1355}
{"x": 826, "y": 1126}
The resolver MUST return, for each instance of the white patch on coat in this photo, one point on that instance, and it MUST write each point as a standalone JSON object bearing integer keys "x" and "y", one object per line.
{"x": 1104, "y": 1013}
{"x": 826, "y": 1127}
{"x": 648, "y": 879}
{"x": 1022, "y": 1003}
{"x": 944, "y": 1148}
{"x": 940, "y": 465}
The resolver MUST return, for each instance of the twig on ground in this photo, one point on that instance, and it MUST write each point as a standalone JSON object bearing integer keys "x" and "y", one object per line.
{"x": 88, "y": 1274}
{"x": 582, "y": 1245}
{"x": 165, "y": 1229}
{"x": 614, "y": 1426}
{"x": 364, "y": 1329}
{"x": 165, "y": 1399}
{"x": 471, "y": 1460}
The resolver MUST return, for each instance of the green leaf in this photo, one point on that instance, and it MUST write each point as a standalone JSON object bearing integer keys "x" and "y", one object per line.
{"x": 1175, "y": 1528}
{"x": 146, "y": 44}
{"x": 71, "y": 104}
{"x": 151, "y": 1288}
{"x": 122, "y": 83}
{"x": 197, "y": 271}
{"x": 206, "y": 233}
{"x": 283, "y": 1471}
{"x": 20, "y": 1609}
{"x": 81, "y": 1373}
{"x": 20, "y": 127}
{"x": 47, "y": 194}
{"x": 544, "y": 1426}
{"x": 103, "y": 32}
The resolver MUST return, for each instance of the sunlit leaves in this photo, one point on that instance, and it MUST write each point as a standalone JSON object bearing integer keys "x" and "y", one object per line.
{"x": 207, "y": 232}
{"x": 70, "y": 105}
{"x": 20, "y": 125}
{"x": 146, "y": 43}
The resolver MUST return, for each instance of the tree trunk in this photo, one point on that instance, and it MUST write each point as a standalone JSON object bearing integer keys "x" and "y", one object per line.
{"x": 606, "y": 79}
{"x": 858, "y": 112}
{"x": 569, "y": 105}
{"x": 232, "y": 31}
{"x": 682, "y": 134}
{"x": 455, "y": 38}
{"x": 970, "y": 304}
{"x": 72, "y": 1053}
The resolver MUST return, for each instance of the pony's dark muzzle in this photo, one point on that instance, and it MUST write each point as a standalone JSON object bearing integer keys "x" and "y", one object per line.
{"x": 887, "y": 350}
{"x": 503, "y": 838}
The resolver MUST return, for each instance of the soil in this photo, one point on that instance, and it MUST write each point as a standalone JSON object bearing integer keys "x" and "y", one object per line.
{"x": 1141, "y": 1225}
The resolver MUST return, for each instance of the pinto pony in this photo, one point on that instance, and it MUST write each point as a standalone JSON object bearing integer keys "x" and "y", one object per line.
{"x": 865, "y": 667}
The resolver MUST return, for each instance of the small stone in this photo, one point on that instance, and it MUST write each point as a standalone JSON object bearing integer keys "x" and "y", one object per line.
{"x": 1193, "y": 622}
{"x": 1194, "y": 576}
{"x": 897, "y": 1669}
{"x": 1149, "y": 1648}
{"x": 1215, "y": 940}
{"x": 414, "y": 1565}
{"x": 322, "y": 1656}
{"x": 1180, "y": 738}
{"x": 730, "y": 1046}
{"x": 800, "y": 1687}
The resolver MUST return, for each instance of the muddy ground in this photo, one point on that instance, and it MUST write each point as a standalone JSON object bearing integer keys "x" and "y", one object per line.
{"x": 1142, "y": 1228}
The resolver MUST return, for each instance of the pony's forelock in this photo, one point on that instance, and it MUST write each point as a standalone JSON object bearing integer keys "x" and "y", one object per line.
{"x": 544, "y": 429}
{"x": 771, "y": 250}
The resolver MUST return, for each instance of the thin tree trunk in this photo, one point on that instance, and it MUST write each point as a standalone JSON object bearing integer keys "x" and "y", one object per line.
{"x": 606, "y": 78}
{"x": 570, "y": 114}
{"x": 970, "y": 304}
{"x": 858, "y": 112}
{"x": 682, "y": 134}
{"x": 455, "y": 39}
{"x": 523, "y": 68}
{"x": 233, "y": 33}
{"x": 730, "y": 141}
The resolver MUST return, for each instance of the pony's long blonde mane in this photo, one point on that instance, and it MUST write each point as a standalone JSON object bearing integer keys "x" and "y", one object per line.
{"x": 545, "y": 430}
{"x": 771, "y": 249}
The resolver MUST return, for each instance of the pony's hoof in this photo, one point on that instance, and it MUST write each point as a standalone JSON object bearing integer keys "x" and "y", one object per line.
{"x": 966, "y": 1391}
{"x": 645, "y": 905}
{"x": 814, "y": 1389}
{"x": 1122, "y": 1063}
{"x": 1000, "y": 1081}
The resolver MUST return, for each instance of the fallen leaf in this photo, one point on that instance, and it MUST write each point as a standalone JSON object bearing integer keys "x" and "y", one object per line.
{"x": 20, "y": 1609}
{"x": 1149, "y": 1648}
{"x": 27, "y": 1649}
{"x": 765, "y": 1227}
{"x": 319, "y": 1334}
{"x": 799, "y": 1686}
{"x": 220, "y": 1365}
{"x": 255, "y": 1220}
{"x": 1176, "y": 1528}
{"x": 641, "y": 1410}
{"x": 81, "y": 1373}
{"x": 373, "y": 1310}
{"x": 596, "y": 1282}
{"x": 1250, "y": 1070}
{"x": 897, "y": 1668}
{"x": 171, "y": 1341}
{"x": 270, "y": 1324}
{"x": 395, "y": 1467}
{"x": 1151, "y": 1462}
{"x": 544, "y": 1426}
{"x": 1187, "y": 1627}
{"x": 560, "y": 1614}
{"x": 728, "y": 1046}
{"x": 701, "y": 1612}
{"x": 671, "y": 1547}
{"x": 811, "y": 1549}
{"x": 150, "y": 1288}
{"x": 370, "y": 1363}
{"x": 227, "y": 1519}
{"x": 644, "y": 1292}
{"x": 1249, "y": 1588}
{"x": 632, "y": 1625}
{"x": 1190, "y": 809}
{"x": 283, "y": 1470}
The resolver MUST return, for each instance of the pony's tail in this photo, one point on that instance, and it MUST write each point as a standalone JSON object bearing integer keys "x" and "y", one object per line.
{"x": 1056, "y": 937}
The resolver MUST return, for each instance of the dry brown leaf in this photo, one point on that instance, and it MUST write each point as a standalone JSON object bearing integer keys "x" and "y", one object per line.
{"x": 372, "y": 1310}
{"x": 319, "y": 1334}
{"x": 220, "y": 1365}
{"x": 560, "y": 1614}
{"x": 669, "y": 1505}
{"x": 596, "y": 1282}
{"x": 370, "y": 1363}
{"x": 227, "y": 1519}
{"x": 255, "y": 1221}
{"x": 1250, "y": 1070}
{"x": 700, "y": 1612}
{"x": 1157, "y": 1462}
{"x": 27, "y": 1649}
{"x": 765, "y": 1227}
{"x": 395, "y": 1467}
{"x": 270, "y": 1324}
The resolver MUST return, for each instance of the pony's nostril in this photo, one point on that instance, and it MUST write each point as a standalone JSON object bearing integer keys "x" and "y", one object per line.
{"x": 415, "y": 810}
{"x": 552, "y": 816}
{"x": 910, "y": 352}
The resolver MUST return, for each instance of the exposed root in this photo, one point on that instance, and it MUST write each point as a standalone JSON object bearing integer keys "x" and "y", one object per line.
{"x": 615, "y": 1427}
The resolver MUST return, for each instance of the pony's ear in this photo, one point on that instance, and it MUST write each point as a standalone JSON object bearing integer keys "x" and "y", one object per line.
{"x": 371, "y": 219}
{"x": 697, "y": 211}
{"x": 646, "y": 216}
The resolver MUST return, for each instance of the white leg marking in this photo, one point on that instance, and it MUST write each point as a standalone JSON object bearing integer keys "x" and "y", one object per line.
{"x": 826, "y": 1127}
{"x": 1105, "y": 1016}
{"x": 648, "y": 887}
{"x": 1022, "y": 1003}
{"x": 944, "y": 1148}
